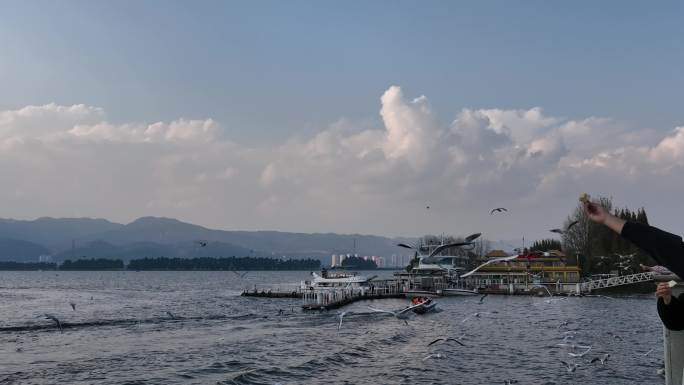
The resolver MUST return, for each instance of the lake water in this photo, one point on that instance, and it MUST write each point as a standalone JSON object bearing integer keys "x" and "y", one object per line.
{"x": 121, "y": 333}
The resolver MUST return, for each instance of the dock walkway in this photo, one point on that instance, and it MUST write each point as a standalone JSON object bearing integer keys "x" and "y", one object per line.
{"x": 326, "y": 299}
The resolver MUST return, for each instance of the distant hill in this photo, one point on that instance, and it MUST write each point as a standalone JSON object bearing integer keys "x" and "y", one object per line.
{"x": 20, "y": 251}
{"x": 54, "y": 233}
{"x": 264, "y": 243}
{"x": 156, "y": 237}
{"x": 102, "y": 249}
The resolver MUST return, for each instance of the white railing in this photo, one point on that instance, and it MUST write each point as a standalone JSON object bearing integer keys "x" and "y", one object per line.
{"x": 617, "y": 281}
{"x": 328, "y": 296}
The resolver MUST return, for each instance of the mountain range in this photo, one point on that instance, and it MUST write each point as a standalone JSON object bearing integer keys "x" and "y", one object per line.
{"x": 72, "y": 238}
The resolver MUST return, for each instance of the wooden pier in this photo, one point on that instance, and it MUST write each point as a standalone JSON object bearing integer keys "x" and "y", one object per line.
{"x": 326, "y": 299}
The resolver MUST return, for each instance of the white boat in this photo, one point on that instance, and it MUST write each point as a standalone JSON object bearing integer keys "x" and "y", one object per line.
{"x": 329, "y": 279}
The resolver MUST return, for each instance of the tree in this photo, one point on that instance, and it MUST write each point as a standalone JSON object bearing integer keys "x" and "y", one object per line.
{"x": 599, "y": 249}
{"x": 546, "y": 245}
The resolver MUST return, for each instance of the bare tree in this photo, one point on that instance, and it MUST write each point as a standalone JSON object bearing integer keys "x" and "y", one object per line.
{"x": 584, "y": 239}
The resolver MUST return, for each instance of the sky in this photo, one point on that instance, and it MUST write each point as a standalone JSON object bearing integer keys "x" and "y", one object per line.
{"x": 349, "y": 117}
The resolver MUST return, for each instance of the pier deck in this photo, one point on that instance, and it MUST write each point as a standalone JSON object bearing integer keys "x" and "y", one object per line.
{"x": 326, "y": 299}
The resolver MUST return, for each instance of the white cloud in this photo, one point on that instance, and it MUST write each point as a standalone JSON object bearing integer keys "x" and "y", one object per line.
{"x": 349, "y": 177}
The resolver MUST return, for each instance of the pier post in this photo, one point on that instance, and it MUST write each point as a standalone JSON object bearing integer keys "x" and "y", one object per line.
{"x": 674, "y": 348}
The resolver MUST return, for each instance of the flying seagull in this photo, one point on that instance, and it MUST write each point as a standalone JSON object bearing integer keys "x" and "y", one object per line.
{"x": 400, "y": 314}
{"x": 570, "y": 368}
{"x": 573, "y": 346}
{"x": 561, "y": 232}
{"x": 438, "y": 355}
{"x": 489, "y": 262}
{"x": 240, "y": 275}
{"x": 477, "y": 315}
{"x": 73, "y": 305}
{"x": 472, "y": 237}
{"x": 433, "y": 257}
{"x": 201, "y": 243}
{"x": 445, "y": 340}
{"x": 339, "y": 326}
{"x": 648, "y": 352}
{"x": 579, "y": 354}
{"x": 483, "y": 297}
{"x": 55, "y": 320}
{"x": 603, "y": 359}
{"x": 498, "y": 210}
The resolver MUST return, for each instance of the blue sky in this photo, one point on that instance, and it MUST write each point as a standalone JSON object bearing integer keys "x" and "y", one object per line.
{"x": 308, "y": 115}
{"x": 309, "y": 63}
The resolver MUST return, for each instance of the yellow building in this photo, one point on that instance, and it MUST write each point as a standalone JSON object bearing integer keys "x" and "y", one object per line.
{"x": 535, "y": 267}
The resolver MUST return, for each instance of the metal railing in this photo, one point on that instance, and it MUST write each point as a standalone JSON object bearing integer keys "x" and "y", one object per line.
{"x": 617, "y": 281}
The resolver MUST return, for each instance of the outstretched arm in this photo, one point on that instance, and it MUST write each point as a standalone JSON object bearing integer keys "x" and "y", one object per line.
{"x": 667, "y": 249}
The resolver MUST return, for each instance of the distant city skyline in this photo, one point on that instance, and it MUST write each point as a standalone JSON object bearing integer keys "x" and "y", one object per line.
{"x": 388, "y": 118}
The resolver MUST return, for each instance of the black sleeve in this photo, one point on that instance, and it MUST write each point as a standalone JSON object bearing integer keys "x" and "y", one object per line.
{"x": 667, "y": 249}
{"x": 672, "y": 315}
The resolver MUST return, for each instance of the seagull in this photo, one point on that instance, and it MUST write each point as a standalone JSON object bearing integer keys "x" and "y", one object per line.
{"x": 201, "y": 243}
{"x": 55, "y": 320}
{"x": 240, "y": 275}
{"x": 472, "y": 237}
{"x": 579, "y": 354}
{"x": 438, "y": 355}
{"x": 339, "y": 326}
{"x": 171, "y": 315}
{"x": 498, "y": 210}
{"x": 483, "y": 297}
{"x": 434, "y": 257}
{"x": 445, "y": 340}
{"x": 564, "y": 323}
{"x": 648, "y": 352}
{"x": 399, "y": 313}
{"x": 573, "y": 346}
{"x": 570, "y": 368}
{"x": 559, "y": 231}
{"x": 489, "y": 262}
{"x": 603, "y": 359}
{"x": 472, "y": 315}
{"x": 73, "y": 305}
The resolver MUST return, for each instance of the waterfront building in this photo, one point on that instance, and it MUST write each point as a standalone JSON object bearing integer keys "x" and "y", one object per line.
{"x": 552, "y": 267}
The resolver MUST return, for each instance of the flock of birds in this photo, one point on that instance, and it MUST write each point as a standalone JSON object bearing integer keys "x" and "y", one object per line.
{"x": 576, "y": 352}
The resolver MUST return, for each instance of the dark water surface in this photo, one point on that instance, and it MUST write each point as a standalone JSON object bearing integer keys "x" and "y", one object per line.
{"x": 121, "y": 333}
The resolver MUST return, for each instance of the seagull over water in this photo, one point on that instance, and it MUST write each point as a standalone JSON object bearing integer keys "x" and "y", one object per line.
{"x": 489, "y": 262}
{"x": 498, "y": 210}
{"x": 437, "y": 355}
{"x": 483, "y": 297}
{"x": 445, "y": 340}
{"x": 339, "y": 326}
{"x": 401, "y": 314}
{"x": 73, "y": 305}
{"x": 55, "y": 320}
{"x": 603, "y": 359}
{"x": 240, "y": 275}
{"x": 579, "y": 354}
{"x": 570, "y": 367}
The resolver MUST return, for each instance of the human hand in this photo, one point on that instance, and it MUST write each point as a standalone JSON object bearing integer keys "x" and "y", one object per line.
{"x": 664, "y": 291}
{"x": 595, "y": 212}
